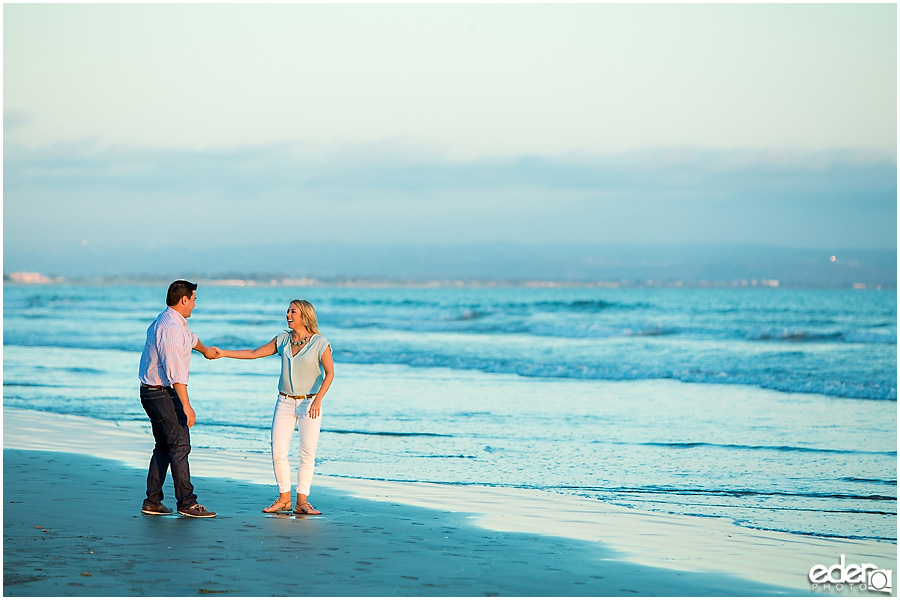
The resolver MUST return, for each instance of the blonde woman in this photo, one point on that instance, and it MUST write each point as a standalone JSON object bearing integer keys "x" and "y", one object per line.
{"x": 306, "y": 374}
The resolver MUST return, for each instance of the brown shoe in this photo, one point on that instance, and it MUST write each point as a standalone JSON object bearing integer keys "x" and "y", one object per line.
{"x": 196, "y": 510}
{"x": 156, "y": 509}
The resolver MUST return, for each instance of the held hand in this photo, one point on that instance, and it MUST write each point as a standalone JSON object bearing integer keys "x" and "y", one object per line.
{"x": 212, "y": 353}
{"x": 315, "y": 409}
{"x": 191, "y": 416}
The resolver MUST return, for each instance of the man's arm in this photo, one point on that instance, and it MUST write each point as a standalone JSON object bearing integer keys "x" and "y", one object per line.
{"x": 210, "y": 352}
{"x": 181, "y": 390}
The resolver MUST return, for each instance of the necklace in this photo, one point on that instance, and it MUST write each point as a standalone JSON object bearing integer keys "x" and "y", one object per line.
{"x": 300, "y": 343}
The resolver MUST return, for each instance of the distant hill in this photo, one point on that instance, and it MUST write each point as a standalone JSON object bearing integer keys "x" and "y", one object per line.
{"x": 660, "y": 263}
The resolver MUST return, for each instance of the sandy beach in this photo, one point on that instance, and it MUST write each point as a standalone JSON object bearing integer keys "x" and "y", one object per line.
{"x": 72, "y": 526}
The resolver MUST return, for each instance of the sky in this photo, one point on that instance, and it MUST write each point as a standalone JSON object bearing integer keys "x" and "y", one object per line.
{"x": 238, "y": 125}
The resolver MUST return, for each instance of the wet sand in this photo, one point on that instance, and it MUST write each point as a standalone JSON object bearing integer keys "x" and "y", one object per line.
{"x": 72, "y": 526}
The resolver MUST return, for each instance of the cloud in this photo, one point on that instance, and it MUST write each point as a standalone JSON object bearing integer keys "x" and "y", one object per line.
{"x": 391, "y": 191}
{"x": 14, "y": 119}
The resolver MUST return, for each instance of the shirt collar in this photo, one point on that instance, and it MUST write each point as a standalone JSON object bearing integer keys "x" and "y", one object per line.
{"x": 176, "y": 315}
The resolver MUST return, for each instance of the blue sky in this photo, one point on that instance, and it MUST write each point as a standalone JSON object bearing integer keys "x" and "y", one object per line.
{"x": 245, "y": 124}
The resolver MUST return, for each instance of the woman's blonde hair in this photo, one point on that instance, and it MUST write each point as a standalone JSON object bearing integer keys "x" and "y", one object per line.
{"x": 308, "y": 314}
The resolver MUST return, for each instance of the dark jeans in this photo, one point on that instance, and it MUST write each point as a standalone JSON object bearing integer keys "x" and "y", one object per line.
{"x": 173, "y": 444}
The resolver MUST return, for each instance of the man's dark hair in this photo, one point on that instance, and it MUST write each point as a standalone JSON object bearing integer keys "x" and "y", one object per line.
{"x": 178, "y": 290}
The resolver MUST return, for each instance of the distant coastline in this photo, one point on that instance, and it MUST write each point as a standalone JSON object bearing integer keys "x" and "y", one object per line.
{"x": 727, "y": 265}
{"x": 34, "y": 278}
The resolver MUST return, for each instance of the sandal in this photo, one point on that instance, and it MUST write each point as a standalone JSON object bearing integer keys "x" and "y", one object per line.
{"x": 278, "y": 506}
{"x": 306, "y": 509}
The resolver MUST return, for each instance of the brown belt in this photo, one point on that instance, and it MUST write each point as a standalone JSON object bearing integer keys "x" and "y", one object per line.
{"x": 306, "y": 397}
{"x": 155, "y": 387}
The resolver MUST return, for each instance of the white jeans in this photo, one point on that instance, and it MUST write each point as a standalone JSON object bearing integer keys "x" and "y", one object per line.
{"x": 293, "y": 414}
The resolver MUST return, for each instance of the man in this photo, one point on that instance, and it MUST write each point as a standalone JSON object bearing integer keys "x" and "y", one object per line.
{"x": 163, "y": 372}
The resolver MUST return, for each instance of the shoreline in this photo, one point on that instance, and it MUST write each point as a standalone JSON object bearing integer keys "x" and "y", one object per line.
{"x": 697, "y": 546}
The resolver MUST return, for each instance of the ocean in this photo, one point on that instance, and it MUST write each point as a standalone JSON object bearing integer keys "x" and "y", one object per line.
{"x": 773, "y": 408}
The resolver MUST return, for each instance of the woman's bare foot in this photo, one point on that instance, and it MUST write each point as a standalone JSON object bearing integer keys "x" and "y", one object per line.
{"x": 305, "y": 508}
{"x": 279, "y": 506}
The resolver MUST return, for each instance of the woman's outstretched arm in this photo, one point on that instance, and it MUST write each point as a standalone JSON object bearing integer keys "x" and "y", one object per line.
{"x": 267, "y": 350}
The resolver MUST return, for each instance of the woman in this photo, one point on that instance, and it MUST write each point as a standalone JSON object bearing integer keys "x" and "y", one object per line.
{"x": 306, "y": 374}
